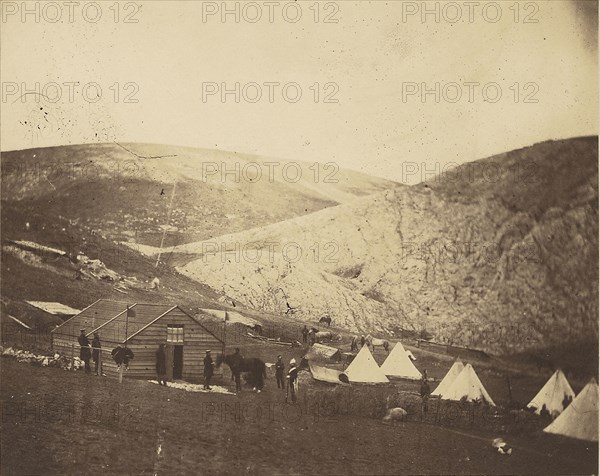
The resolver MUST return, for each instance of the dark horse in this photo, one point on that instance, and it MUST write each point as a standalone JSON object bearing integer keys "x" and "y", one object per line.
{"x": 254, "y": 368}
{"x": 325, "y": 320}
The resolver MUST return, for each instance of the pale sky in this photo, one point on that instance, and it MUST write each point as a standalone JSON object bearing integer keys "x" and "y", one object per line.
{"x": 370, "y": 55}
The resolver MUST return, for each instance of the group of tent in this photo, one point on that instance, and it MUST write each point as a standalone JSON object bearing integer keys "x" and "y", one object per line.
{"x": 580, "y": 417}
{"x": 461, "y": 381}
{"x": 576, "y": 419}
{"x": 364, "y": 369}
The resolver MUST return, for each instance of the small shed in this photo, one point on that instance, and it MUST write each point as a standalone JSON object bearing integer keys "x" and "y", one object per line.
{"x": 142, "y": 327}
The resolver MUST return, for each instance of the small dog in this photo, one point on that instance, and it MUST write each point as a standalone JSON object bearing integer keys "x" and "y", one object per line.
{"x": 395, "y": 414}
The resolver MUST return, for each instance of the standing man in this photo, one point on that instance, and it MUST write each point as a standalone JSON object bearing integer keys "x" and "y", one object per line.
{"x": 84, "y": 350}
{"x": 208, "y": 370}
{"x": 425, "y": 392}
{"x": 96, "y": 346}
{"x": 305, "y": 334}
{"x": 279, "y": 369}
{"x": 161, "y": 365}
{"x": 292, "y": 377}
{"x": 312, "y": 336}
{"x": 236, "y": 368}
{"x": 567, "y": 401}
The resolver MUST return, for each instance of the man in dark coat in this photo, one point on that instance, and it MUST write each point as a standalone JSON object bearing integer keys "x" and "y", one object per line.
{"x": 96, "y": 346}
{"x": 209, "y": 370}
{"x": 279, "y": 369}
{"x": 84, "y": 350}
{"x": 567, "y": 401}
{"x": 236, "y": 368}
{"x": 161, "y": 365}
{"x": 545, "y": 414}
{"x": 305, "y": 334}
{"x": 425, "y": 393}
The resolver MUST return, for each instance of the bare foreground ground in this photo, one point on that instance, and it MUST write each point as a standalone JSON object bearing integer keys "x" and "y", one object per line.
{"x": 141, "y": 428}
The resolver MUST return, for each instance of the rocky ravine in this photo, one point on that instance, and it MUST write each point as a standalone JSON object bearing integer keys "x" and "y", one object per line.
{"x": 504, "y": 261}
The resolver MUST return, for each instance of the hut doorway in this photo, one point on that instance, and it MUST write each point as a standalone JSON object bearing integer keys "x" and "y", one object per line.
{"x": 177, "y": 362}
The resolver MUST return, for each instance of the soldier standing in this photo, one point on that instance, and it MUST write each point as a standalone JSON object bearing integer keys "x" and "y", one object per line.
{"x": 161, "y": 365}
{"x": 279, "y": 369}
{"x": 84, "y": 351}
{"x": 292, "y": 377}
{"x": 236, "y": 369}
{"x": 96, "y": 346}
{"x": 208, "y": 370}
{"x": 425, "y": 392}
{"x": 305, "y": 334}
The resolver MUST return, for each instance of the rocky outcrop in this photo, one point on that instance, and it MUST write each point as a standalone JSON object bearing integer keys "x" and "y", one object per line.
{"x": 501, "y": 265}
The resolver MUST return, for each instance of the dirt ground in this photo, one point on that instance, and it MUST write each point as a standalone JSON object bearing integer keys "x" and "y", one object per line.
{"x": 59, "y": 422}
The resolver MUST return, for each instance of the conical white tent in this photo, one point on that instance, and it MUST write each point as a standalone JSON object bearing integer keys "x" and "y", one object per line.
{"x": 467, "y": 385}
{"x": 398, "y": 364}
{"x": 580, "y": 418}
{"x": 449, "y": 379}
{"x": 552, "y": 394}
{"x": 364, "y": 369}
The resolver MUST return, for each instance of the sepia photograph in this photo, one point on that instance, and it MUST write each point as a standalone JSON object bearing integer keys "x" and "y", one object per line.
{"x": 305, "y": 237}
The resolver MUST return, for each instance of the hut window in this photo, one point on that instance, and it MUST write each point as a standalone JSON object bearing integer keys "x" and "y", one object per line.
{"x": 175, "y": 333}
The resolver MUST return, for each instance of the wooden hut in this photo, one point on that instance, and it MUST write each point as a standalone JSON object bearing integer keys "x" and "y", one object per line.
{"x": 142, "y": 327}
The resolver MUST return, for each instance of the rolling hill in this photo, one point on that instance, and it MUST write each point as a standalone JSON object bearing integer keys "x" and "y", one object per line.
{"x": 125, "y": 191}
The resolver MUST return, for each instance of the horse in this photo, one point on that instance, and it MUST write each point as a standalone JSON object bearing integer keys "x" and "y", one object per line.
{"x": 325, "y": 320}
{"x": 254, "y": 367}
{"x": 372, "y": 341}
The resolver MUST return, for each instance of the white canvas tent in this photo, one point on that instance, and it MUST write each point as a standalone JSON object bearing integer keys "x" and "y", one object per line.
{"x": 449, "y": 378}
{"x": 364, "y": 369}
{"x": 552, "y": 394}
{"x": 468, "y": 386}
{"x": 398, "y": 364}
{"x": 580, "y": 418}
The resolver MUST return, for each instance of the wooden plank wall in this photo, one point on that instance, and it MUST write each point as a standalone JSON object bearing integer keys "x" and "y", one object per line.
{"x": 196, "y": 341}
